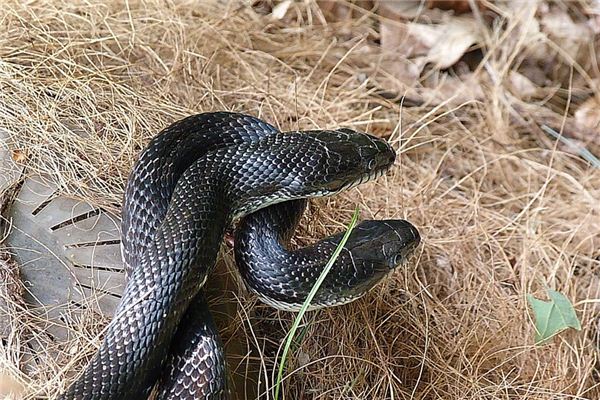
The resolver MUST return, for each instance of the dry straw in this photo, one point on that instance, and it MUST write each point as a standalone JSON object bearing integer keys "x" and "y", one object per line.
{"x": 84, "y": 85}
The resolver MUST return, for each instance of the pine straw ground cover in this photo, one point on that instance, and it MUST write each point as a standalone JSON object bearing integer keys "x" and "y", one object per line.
{"x": 504, "y": 210}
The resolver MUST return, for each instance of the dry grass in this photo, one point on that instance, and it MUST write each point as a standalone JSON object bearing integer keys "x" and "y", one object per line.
{"x": 502, "y": 210}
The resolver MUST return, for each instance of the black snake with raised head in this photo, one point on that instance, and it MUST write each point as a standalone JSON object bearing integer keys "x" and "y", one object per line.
{"x": 190, "y": 183}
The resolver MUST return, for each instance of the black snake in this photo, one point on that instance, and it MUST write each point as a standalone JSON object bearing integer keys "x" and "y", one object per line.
{"x": 191, "y": 182}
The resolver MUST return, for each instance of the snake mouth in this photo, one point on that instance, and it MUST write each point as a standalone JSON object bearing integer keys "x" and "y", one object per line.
{"x": 402, "y": 257}
{"x": 366, "y": 177}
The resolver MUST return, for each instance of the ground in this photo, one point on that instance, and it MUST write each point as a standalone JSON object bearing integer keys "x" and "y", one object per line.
{"x": 465, "y": 91}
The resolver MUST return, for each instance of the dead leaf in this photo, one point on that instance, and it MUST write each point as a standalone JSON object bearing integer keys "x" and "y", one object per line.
{"x": 405, "y": 71}
{"x": 443, "y": 44}
{"x": 19, "y": 156}
{"x": 588, "y": 114}
{"x": 452, "y": 90}
{"x": 399, "y": 10}
{"x": 526, "y": 32}
{"x": 413, "y": 10}
{"x": 458, "y": 6}
{"x": 393, "y": 37}
{"x": 281, "y": 9}
{"x": 453, "y": 40}
{"x": 427, "y": 34}
{"x": 594, "y": 24}
{"x": 521, "y": 86}
{"x": 558, "y": 25}
{"x": 333, "y": 10}
{"x": 407, "y": 47}
{"x": 403, "y": 55}
{"x": 10, "y": 387}
{"x": 336, "y": 11}
{"x": 534, "y": 73}
{"x": 587, "y": 120}
{"x": 262, "y": 7}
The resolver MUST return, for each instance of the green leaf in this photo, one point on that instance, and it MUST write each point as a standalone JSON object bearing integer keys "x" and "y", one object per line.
{"x": 552, "y": 317}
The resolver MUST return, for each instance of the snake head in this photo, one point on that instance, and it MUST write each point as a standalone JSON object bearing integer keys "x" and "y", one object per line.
{"x": 373, "y": 250}
{"x": 386, "y": 243}
{"x": 350, "y": 158}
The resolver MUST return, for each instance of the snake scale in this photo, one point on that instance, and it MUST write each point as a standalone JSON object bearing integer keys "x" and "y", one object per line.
{"x": 192, "y": 181}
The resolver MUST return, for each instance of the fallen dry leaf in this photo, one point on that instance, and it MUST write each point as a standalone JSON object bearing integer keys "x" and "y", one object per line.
{"x": 281, "y": 9}
{"x": 393, "y": 37}
{"x": 19, "y": 156}
{"x": 453, "y": 40}
{"x": 458, "y": 6}
{"x": 525, "y": 31}
{"x": 407, "y": 46}
{"x": 427, "y": 34}
{"x": 414, "y": 10}
{"x": 521, "y": 86}
{"x": 587, "y": 120}
{"x": 405, "y": 71}
{"x": 588, "y": 114}
{"x": 594, "y": 24}
{"x": 534, "y": 73}
{"x": 10, "y": 388}
{"x": 400, "y": 10}
{"x": 453, "y": 90}
{"x": 403, "y": 55}
{"x": 572, "y": 37}
{"x": 335, "y": 11}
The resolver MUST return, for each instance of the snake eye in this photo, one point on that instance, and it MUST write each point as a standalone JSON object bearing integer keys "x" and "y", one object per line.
{"x": 397, "y": 260}
{"x": 371, "y": 164}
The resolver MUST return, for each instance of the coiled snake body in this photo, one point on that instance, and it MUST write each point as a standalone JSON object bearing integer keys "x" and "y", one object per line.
{"x": 190, "y": 183}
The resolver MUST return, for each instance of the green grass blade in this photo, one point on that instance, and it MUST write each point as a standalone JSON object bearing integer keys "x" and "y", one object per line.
{"x": 309, "y": 299}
